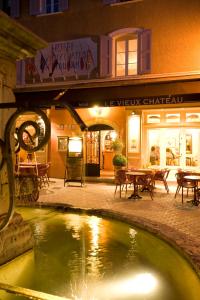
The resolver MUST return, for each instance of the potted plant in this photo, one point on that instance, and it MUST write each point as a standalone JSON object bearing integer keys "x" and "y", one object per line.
{"x": 117, "y": 145}
{"x": 119, "y": 161}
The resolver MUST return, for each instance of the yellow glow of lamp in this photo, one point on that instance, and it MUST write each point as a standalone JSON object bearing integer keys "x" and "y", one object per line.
{"x": 98, "y": 111}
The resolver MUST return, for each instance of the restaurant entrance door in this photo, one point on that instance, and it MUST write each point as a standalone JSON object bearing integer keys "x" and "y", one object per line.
{"x": 174, "y": 147}
{"x": 98, "y": 151}
{"x": 92, "y": 153}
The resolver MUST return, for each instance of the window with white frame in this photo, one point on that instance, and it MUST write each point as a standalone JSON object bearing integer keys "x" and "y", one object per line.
{"x": 125, "y": 53}
{"x": 126, "y": 56}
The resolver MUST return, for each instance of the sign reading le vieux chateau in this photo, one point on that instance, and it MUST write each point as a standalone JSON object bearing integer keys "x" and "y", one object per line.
{"x": 137, "y": 101}
{"x": 146, "y": 101}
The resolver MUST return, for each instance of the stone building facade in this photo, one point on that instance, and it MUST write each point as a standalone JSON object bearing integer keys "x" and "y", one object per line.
{"x": 130, "y": 68}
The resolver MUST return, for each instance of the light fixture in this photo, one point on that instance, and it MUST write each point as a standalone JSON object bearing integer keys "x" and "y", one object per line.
{"x": 99, "y": 112}
{"x": 60, "y": 95}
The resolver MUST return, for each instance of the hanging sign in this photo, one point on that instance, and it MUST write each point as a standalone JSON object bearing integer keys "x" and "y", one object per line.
{"x": 62, "y": 60}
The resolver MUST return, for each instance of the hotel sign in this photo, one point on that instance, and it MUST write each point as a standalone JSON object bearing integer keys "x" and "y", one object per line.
{"x": 62, "y": 60}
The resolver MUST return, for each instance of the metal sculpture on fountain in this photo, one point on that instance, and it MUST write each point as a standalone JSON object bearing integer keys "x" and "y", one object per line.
{"x": 12, "y": 141}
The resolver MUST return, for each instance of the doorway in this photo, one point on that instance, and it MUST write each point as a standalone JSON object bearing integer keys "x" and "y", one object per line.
{"x": 98, "y": 149}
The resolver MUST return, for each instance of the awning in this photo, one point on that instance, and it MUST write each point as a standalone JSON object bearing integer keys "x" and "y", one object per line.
{"x": 132, "y": 96}
{"x": 151, "y": 91}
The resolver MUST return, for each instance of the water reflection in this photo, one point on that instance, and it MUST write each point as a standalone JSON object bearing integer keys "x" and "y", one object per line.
{"x": 88, "y": 257}
{"x": 140, "y": 284}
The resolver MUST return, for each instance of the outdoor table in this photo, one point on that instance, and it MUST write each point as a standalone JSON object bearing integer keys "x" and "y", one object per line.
{"x": 27, "y": 169}
{"x": 133, "y": 176}
{"x": 149, "y": 171}
{"x": 195, "y": 179}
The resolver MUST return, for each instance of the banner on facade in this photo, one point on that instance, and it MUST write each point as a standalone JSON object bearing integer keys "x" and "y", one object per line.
{"x": 74, "y": 59}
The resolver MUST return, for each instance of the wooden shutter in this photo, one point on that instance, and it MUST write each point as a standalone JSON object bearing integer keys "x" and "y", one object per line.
{"x": 37, "y": 7}
{"x": 144, "y": 51}
{"x": 110, "y": 1}
{"x": 63, "y": 5}
{"x": 34, "y": 7}
{"x": 14, "y": 8}
{"x": 20, "y": 72}
{"x": 105, "y": 56}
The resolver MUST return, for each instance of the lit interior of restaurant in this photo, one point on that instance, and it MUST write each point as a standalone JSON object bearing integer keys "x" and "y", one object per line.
{"x": 172, "y": 134}
{"x": 175, "y": 135}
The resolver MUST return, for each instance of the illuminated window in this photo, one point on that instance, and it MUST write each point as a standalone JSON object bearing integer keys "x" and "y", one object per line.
{"x": 134, "y": 134}
{"x": 125, "y": 52}
{"x": 126, "y": 56}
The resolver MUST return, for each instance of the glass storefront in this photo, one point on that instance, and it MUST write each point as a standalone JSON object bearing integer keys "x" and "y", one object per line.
{"x": 174, "y": 146}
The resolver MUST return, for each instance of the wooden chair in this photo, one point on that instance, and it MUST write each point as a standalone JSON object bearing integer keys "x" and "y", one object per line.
{"x": 43, "y": 177}
{"x": 183, "y": 183}
{"x": 121, "y": 181}
{"x": 161, "y": 175}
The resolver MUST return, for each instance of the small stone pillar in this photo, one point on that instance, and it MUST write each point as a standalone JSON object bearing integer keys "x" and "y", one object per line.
{"x": 18, "y": 43}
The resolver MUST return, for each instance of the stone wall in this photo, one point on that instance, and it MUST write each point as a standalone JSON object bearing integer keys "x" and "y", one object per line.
{"x": 15, "y": 239}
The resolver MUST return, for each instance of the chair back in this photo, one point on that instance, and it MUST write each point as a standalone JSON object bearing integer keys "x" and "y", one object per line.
{"x": 161, "y": 174}
{"x": 120, "y": 176}
{"x": 146, "y": 180}
{"x": 43, "y": 169}
{"x": 181, "y": 180}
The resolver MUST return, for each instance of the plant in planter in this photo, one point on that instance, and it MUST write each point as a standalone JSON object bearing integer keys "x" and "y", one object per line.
{"x": 119, "y": 160}
{"x": 117, "y": 145}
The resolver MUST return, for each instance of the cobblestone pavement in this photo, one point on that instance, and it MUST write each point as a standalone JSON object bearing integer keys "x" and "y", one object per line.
{"x": 165, "y": 216}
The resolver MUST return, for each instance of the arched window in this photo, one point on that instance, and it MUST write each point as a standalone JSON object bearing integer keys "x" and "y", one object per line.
{"x": 126, "y": 55}
{"x": 126, "y": 52}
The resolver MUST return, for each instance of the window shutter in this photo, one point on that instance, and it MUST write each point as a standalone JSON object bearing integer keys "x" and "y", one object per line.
{"x": 110, "y": 1}
{"x": 37, "y": 7}
{"x": 34, "y": 7}
{"x": 144, "y": 51}
{"x": 105, "y": 56}
{"x": 20, "y": 72}
{"x": 63, "y": 5}
{"x": 14, "y": 8}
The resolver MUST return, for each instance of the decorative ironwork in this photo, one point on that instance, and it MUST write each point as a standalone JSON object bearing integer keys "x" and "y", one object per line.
{"x": 11, "y": 145}
{"x": 14, "y": 139}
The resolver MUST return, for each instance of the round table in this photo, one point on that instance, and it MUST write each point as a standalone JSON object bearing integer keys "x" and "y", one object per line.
{"x": 133, "y": 176}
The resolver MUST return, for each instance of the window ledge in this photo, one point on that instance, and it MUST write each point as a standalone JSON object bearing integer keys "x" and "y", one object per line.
{"x": 125, "y": 2}
{"x": 50, "y": 14}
